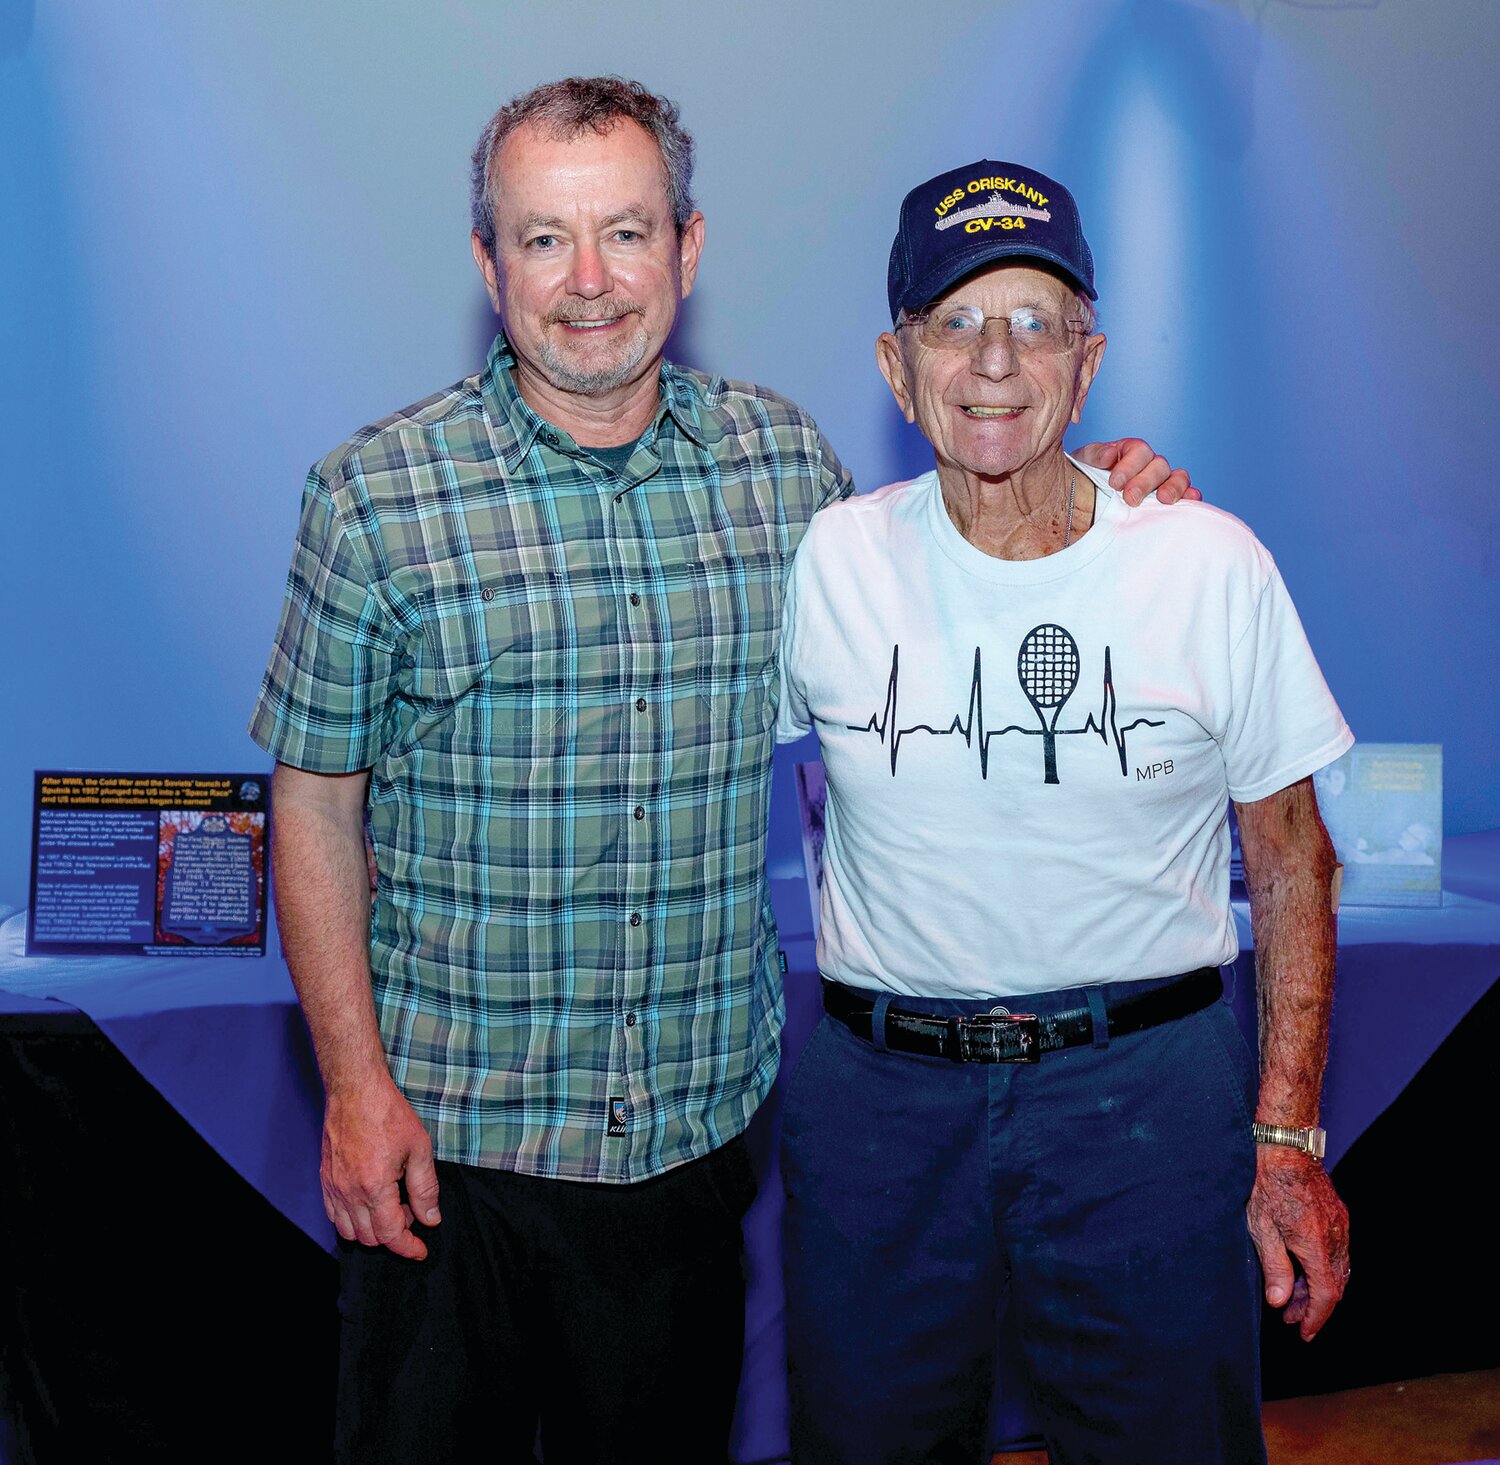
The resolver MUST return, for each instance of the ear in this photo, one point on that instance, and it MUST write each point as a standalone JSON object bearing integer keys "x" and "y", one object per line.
{"x": 1088, "y": 369}
{"x": 486, "y": 262}
{"x": 891, "y": 360}
{"x": 690, "y": 250}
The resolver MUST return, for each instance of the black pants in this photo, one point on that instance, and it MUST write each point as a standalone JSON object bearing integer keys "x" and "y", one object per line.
{"x": 611, "y": 1315}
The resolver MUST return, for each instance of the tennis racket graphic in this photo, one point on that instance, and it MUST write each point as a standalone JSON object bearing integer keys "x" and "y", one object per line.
{"x": 1047, "y": 666}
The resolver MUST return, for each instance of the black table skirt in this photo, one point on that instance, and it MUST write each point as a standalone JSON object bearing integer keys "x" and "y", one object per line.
{"x": 153, "y": 1307}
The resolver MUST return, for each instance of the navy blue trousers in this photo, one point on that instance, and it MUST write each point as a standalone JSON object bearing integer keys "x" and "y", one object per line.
{"x": 1099, "y": 1195}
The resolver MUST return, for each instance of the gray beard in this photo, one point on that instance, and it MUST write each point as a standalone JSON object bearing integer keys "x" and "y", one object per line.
{"x": 591, "y": 383}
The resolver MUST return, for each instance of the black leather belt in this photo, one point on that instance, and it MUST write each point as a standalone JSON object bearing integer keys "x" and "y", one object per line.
{"x": 1016, "y": 1037}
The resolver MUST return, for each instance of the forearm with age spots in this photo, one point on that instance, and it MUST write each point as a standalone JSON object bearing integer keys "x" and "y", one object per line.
{"x": 1289, "y": 868}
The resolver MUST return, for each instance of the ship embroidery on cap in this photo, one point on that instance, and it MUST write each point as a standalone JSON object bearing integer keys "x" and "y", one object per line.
{"x": 994, "y": 207}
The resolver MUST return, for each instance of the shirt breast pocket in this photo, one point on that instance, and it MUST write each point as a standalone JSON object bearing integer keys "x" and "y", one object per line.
{"x": 497, "y": 657}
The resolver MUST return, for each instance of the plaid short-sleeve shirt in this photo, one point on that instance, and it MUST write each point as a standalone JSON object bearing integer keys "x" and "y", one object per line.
{"x": 563, "y": 681}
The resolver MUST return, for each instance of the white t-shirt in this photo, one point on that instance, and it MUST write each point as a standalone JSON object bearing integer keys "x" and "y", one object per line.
{"x": 1160, "y": 658}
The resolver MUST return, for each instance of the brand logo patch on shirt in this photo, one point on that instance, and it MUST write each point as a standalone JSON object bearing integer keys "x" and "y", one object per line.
{"x": 618, "y": 1114}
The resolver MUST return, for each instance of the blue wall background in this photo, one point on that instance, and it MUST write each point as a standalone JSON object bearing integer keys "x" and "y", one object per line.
{"x": 232, "y": 234}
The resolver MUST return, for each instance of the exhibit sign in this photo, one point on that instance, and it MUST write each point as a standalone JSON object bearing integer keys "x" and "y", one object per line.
{"x": 154, "y": 864}
{"x": 1383, "y": 805}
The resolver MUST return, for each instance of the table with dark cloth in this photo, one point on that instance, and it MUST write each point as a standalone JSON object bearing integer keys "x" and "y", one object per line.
{"x": 163, "y": 1152}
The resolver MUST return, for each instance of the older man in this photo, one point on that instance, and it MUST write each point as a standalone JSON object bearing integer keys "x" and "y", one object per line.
{"x": 1034, "y": 702}
{"x": 531, "y": 631}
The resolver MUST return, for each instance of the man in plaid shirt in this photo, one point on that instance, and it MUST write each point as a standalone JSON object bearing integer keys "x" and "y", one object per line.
{"x": 530, "y": 634}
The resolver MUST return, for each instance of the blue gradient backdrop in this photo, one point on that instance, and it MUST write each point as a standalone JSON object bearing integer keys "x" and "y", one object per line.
{"x": 231, "y": 235}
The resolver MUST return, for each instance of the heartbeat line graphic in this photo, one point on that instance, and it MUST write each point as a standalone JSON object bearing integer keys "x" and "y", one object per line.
{"x": 970, "y": 725}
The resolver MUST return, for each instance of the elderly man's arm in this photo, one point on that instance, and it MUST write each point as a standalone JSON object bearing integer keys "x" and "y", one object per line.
{"x": 1294, "y": 1211}
{"x": 1136, "y": 470}
{"x": 372, "y": 1138}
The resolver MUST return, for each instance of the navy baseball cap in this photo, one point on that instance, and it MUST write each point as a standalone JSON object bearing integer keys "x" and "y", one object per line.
{"x": 970, "y": 217}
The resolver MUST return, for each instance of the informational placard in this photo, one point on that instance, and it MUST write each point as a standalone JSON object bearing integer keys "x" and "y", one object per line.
{"x": 155, "y": 864}
{"x": 1383, "y": 805}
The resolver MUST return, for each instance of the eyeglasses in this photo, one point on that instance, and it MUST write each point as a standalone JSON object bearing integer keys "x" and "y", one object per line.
{"x": 961, "y": 328}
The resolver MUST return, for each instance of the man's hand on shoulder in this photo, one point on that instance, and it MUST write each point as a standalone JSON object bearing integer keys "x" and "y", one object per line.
{"x": 377, "y": 1173}
{"x": 1135, "y": 470}
{"x": 1294, "y": 1211}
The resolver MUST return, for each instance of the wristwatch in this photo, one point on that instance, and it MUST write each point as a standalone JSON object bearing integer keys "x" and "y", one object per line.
{"x": 1311, "y": 1141}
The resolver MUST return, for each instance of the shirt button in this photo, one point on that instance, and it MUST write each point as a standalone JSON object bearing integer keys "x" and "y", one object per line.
{"x": 634, "y": 598}
{"x": 640, "y": 812}
{"x": 630, "y": 1019}
{"x": 635, "y": 918}
{"x": 640, "y": 704}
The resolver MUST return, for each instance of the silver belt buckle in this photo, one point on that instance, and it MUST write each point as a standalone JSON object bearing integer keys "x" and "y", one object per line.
{"x": 980, "y": 1040}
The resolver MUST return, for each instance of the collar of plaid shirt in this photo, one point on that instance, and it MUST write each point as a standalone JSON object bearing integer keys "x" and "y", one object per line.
{"x": 563, "y": 680}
